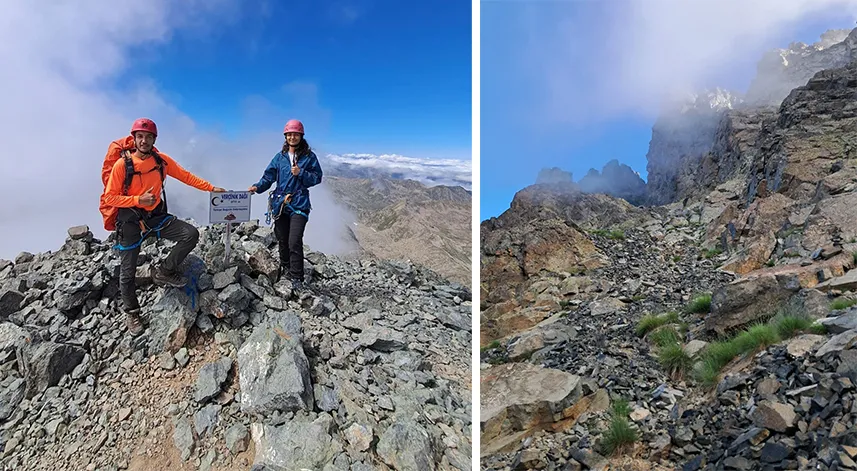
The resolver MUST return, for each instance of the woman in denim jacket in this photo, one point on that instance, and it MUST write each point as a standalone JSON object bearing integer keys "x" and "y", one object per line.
{"x": 295, "y": 169}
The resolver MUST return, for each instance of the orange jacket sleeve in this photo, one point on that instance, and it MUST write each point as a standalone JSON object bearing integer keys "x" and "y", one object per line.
{"x": 113, "y": 194}
{"x": 179, "y": 173}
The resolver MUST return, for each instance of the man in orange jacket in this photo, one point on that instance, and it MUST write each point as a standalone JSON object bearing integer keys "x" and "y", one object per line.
{"x": 141, "y": 208}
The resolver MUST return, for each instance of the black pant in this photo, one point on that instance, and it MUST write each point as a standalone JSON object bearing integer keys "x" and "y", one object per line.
{"x": 289, "y": 230}
{"x": 185, "y": 235}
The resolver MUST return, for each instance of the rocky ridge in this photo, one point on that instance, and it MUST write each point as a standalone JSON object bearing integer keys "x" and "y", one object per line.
{"x": 614, "y": 179}
{"x": 367, "y": 368}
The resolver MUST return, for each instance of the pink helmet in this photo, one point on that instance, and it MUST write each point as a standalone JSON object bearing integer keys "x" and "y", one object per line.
{"x": 144, "y": 124}
{"x": 293, "y": 126}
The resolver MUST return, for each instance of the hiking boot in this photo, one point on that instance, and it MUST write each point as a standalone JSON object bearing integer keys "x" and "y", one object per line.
{"x": 163, "y": 278}
{"x": 134, "y": 322}
{"x": 297, "y": 285}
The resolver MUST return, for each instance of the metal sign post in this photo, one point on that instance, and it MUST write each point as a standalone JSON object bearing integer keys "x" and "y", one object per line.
{"x": 228, "y": 241}
{"x": 228, "y": 207}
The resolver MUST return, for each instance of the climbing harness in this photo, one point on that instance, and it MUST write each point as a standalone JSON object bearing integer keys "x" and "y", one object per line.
{"x": 146, "y": 231}
{"x": 270, "y": 213}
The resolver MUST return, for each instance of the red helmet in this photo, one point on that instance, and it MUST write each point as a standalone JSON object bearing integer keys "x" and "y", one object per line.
{"x": 293, "y": 126}
{"x": 144, "y": 124}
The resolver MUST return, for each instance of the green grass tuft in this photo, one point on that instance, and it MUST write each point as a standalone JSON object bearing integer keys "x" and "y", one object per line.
{"x": 651, "y": 322}
{"x": 786, "y": 324}
{"x": 709, "y": 373}
{"x": 664, "y": 336}
{"x": 674, "y": 359}
{"x": 790, "y": 326}
{"x": 621, "y": 408}
{"x": 700, "y": 304}
{"x": 619, "y": 437}
{"x": 842, "y": 303}
{"x": 620, "y": 434}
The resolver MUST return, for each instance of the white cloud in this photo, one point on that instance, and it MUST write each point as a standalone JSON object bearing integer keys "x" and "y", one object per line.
{"x": 635, "y": 52}
{"x": 427, "y": 171}
{"x": 63, "y": 104}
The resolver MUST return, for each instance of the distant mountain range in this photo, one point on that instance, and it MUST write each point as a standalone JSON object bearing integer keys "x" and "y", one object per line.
{"x": 449, "y": 172}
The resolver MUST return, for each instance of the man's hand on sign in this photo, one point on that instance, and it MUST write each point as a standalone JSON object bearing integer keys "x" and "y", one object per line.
{"x": 217, "y": 189}
{"x": 295, "y": 170}
{"x": 147, "y": 198}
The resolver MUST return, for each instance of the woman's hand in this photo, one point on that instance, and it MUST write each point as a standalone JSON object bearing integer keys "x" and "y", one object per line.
{"x": 295, "y": 170}
{"x": 252, "y": 188}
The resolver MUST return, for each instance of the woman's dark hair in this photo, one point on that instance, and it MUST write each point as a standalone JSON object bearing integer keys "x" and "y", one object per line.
{"x": 303, "y": 148}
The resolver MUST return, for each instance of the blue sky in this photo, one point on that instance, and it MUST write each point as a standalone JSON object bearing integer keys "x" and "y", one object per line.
{"x": 574, "y": 84}
{"x": 375, "y": 76}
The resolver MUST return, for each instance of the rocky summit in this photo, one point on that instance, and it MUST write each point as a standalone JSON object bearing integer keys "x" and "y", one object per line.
{"x": 367, "y": 367}
{"x": 715, "y": 327}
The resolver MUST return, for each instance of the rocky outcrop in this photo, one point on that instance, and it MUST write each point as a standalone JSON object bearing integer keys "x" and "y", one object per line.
{"x": 811, "y": 140}
{"x": 780, "y": 71}
{"x": 799, "y": 195}
{"x": 519, "y": 397}
{"x": 366, "y": 368}
{"x": 553, "y": 175}
{"x": 682, "y": 135}
{"x": 617, "y": 180}
{"x": 711, "y": 138}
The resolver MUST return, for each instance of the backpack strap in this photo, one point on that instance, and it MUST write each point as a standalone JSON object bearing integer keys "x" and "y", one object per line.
{"x": 161, "y": 165}
{"x": 129, "y": 170}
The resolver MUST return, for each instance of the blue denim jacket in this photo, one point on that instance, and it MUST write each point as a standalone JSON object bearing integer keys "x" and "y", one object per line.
{"x": 280, "y": 170}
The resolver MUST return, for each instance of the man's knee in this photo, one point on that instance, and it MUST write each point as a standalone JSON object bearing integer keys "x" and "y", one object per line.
{"x": 192, "y": 234}
{"x": 189, "y": 234}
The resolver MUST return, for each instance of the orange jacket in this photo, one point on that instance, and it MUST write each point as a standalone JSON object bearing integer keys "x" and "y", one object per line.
{"x": 149, "y": 179}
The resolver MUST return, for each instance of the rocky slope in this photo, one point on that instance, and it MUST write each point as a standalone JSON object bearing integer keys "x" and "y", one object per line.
{"x": 406, "y": 220}
{"x": 368, "y": 368}
{"x": 537, "y": 236}
{"x": 751, "y": 269}
{"x": 548, "y": 384}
